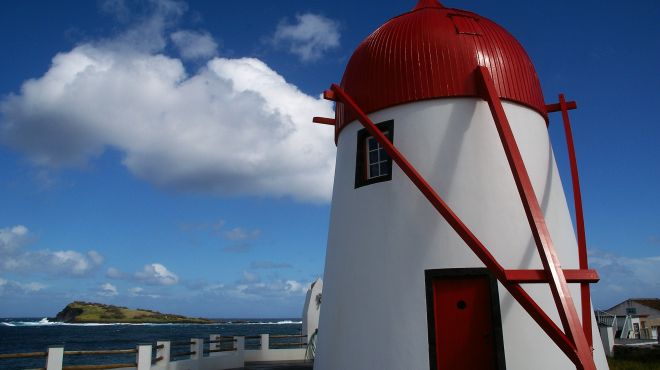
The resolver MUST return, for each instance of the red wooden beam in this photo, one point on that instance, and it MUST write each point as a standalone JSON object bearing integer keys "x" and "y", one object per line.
{"x": 585, "y": 296}
{"x": 556, "y": 107}
{"x": 558, "y": 286}
{"x": 329, "y": 95}
{"x": 324, "y": 121}
{"x": 536, "y": 312}
{"x": 540, "y": 276}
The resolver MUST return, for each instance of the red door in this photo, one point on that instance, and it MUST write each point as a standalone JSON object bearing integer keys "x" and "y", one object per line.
{"x": 464, "y": 337}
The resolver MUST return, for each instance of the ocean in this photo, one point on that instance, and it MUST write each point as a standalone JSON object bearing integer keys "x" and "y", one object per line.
{"x": 21, "y": 335}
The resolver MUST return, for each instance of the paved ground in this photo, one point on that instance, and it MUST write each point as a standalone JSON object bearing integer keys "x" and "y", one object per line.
{"x": 293, "y": 365}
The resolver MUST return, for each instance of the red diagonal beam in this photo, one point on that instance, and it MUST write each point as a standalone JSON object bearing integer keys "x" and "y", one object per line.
{"x": 542, "y": 319}
{"x": 585, "y": 296}
{"x": 558, "y": 286}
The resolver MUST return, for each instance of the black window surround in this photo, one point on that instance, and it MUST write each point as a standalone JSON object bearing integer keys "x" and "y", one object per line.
{"x": 362, "y": 160}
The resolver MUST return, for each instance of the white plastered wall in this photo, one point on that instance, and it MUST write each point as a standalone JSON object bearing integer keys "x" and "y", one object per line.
{"x": 384, "y": 236}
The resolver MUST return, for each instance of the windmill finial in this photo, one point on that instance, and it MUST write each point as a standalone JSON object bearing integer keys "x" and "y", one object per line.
{"x": 427, "y": 4}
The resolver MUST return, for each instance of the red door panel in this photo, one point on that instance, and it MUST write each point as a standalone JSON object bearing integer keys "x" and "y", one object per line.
{"x": 463, "y": 323}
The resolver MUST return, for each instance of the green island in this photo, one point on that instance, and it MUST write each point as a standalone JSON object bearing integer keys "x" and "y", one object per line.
{"x": 87, "y": 312}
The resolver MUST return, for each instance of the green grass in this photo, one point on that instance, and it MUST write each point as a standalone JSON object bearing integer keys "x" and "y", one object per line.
{"x": 635, "y": 358}
{"x": 101, "y": 313}
{"x": 624, "y": 364}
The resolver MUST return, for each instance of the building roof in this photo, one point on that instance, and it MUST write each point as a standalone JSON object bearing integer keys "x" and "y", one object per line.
{"x": 432, "y": 52}
{"x": 648, "y": 302}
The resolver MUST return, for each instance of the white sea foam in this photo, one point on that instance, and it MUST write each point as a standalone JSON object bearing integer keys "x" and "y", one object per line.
{"x": 283, "y": 322}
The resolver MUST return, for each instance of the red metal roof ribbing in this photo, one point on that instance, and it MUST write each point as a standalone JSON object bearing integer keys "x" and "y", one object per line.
{"x": 432, "y": 52}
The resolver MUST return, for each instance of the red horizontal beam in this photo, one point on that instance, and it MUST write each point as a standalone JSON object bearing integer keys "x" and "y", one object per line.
{"x": 556, "y": 107}
{"x": 540, "y": 276}
{"x": 324, "y": 120}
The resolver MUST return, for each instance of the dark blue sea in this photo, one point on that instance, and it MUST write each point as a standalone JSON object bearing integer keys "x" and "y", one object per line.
{"x": 21, "y": 335}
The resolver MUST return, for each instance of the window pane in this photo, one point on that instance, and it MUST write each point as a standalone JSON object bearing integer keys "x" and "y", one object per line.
{"x": 384, "y": 168}
{"x": 383, "y": 155}
{"x": 373, "y": 156}
{"x": 372, "y": 143}
{"x": 373, "y": 171}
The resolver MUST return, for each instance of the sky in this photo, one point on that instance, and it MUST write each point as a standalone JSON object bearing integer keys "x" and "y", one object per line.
{"x": 160, "y": 154}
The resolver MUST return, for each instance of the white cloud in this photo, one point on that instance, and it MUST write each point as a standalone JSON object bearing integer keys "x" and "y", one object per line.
{"x": 12, "y": 239}
{"x": 108, "y": 290}
{"x": 249, "y": 277}
{"x": 310, "y": 37}
{"x": 293, "y": 287}
{"x": 14, "y": 258}
{"x": 156, "y": 274}
{"x": 194, "y": 45}
{"x": 235, "y": 127}
{"x": 114, "y": 273}
{"x": 252, "y": 287}
{"x": 73, "y": 262}
{"x": 623, "y": 277}
{"x": 140, "y": 292}
{"x": 8, "y": 287}
{"x": 241, "y": 234}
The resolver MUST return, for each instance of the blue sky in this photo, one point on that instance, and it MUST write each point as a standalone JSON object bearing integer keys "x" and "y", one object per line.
{"x": 160, "y": 154}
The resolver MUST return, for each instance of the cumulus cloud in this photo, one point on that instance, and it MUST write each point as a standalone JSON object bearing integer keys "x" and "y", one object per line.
{"x": 235, "y": 127}
{"x": 108, "y": 290}
{"x": 310, "y": 37}
{"x": 12, "y": 239}
{"x": 15, "y": 258}
{"x": 194, "y": 45}
{"x": 156, "y": 274}
{"x": 140, "y": 292}
{"x": 275, "y": 289}
{"x": 8, "y": 287}
{"x": 623, "y": 277}
{"x": 250, "y": 286}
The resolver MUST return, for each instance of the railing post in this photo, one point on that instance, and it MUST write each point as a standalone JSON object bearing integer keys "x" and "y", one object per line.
{"x": 240, "y": 343}
{"x": 214, "y": 346}
{"x": 143, "y": 359}
{"x": 607, "y": 337}
{"x": 197, "y": 346}
{"x": 265, "y": 342}
{"x": 163, "y": 353}
{"x": 55, "y": 358}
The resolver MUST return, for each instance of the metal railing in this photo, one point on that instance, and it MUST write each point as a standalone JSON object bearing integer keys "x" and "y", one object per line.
{"x": 164, "y": 351}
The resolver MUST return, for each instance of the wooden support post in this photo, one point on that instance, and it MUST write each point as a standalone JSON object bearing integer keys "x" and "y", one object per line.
{"x": 558, "y": 286}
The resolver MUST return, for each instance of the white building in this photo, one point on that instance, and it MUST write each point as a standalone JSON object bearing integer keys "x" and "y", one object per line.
{"x": 402, "y": 290}
{"x": 644, "y": 317}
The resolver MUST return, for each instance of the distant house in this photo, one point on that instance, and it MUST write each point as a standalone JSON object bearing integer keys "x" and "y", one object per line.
{"x": 637, "y": 318}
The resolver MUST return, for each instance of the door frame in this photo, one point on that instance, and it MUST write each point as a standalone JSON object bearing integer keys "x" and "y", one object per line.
{"x": 430, "y": 275}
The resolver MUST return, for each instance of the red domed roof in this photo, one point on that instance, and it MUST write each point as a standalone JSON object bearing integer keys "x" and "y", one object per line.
{"x": 432, "y": 52}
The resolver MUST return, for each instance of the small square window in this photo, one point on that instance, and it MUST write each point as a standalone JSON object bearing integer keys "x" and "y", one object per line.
{"x": 372, "y": 164}
{"x": 466, "y": 25}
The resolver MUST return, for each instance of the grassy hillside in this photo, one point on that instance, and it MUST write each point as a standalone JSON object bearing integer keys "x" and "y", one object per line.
{"x": 87, "y": 312}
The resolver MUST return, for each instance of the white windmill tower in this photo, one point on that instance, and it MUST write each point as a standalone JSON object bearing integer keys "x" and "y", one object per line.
{"x": 450, "y": 257}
